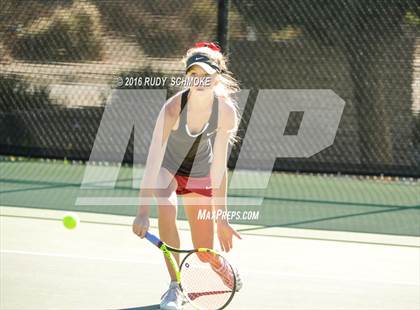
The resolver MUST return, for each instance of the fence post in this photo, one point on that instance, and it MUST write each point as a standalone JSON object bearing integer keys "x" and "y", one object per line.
{"x": 222, "y": 24}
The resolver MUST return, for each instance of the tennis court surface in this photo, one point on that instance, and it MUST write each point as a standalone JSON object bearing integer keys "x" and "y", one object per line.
{"x": 102, "y": 265}
{"x": 321, "y": 242}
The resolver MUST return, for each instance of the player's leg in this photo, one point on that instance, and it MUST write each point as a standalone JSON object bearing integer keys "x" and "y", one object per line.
{"x": 202, "y": 234}
{"x": 168, "y": 232}
{"x": 167, "y": 209}
{"x": 202, "y": 228}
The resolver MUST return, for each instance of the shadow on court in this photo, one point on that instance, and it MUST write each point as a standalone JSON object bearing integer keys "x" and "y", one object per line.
{"x": 151, "y": 307}
{"x": 290, "y": 200}
{"x": 317, "y": 220}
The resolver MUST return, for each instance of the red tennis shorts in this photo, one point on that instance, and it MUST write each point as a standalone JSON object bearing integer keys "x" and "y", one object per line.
{"x": 201, "y": 185}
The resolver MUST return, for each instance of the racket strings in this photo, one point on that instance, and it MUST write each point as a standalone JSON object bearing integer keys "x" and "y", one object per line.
{"x": 207, "y": 280}
{"x": 223, "y": 269}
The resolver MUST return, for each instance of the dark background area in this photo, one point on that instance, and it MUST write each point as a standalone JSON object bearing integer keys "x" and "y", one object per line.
{"x": 367, "y": 52}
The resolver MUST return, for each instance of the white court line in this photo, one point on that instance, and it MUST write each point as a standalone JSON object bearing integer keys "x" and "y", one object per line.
{"x": 49, "y": 254}
{"x": 254, "y": 271}
{"x": 134, "y": 201}
{"x": 280, "y": 232}
{"x": 347, "y": 279}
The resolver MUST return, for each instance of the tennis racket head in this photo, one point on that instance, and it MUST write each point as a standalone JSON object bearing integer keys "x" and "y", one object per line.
{"x": 208, "y": 281}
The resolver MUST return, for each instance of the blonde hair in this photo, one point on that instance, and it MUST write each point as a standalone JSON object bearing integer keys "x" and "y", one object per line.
{"x": 227, "y": 87}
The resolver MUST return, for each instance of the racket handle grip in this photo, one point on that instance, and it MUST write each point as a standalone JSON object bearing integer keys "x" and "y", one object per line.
{"x": 153, "y": 239}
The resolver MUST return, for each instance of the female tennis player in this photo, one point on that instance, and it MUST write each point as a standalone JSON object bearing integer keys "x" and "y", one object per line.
{"x": 188, "y": 157}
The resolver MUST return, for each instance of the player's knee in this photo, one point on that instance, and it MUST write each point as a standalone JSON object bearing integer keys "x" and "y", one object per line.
{"x": 167, "y": 216}
{"x": 164, "y": 197}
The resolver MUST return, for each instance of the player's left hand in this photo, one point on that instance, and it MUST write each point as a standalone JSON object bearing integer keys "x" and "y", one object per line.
{"x": 225, "y": 233}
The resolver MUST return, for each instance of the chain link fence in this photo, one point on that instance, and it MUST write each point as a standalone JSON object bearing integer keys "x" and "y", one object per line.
{"x": 59, "y": 61}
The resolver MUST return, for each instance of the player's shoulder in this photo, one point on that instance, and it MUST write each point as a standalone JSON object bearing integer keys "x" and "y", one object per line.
{"x": 226, "y": 107}
{"x": 227, "y": 112}
{"x": 173, "y": 104}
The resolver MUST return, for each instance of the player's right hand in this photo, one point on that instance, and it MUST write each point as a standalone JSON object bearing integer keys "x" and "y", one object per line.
{"x": 141, "y": 225}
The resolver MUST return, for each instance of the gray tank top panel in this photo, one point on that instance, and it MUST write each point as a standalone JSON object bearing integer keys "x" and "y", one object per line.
{"x": 191, "y": 154}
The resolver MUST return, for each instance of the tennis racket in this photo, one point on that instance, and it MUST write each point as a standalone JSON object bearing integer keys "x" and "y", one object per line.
{"x": 206, "y": 278}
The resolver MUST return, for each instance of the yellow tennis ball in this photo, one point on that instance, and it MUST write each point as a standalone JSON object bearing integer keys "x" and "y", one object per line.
{"x": 71, "y": 220}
